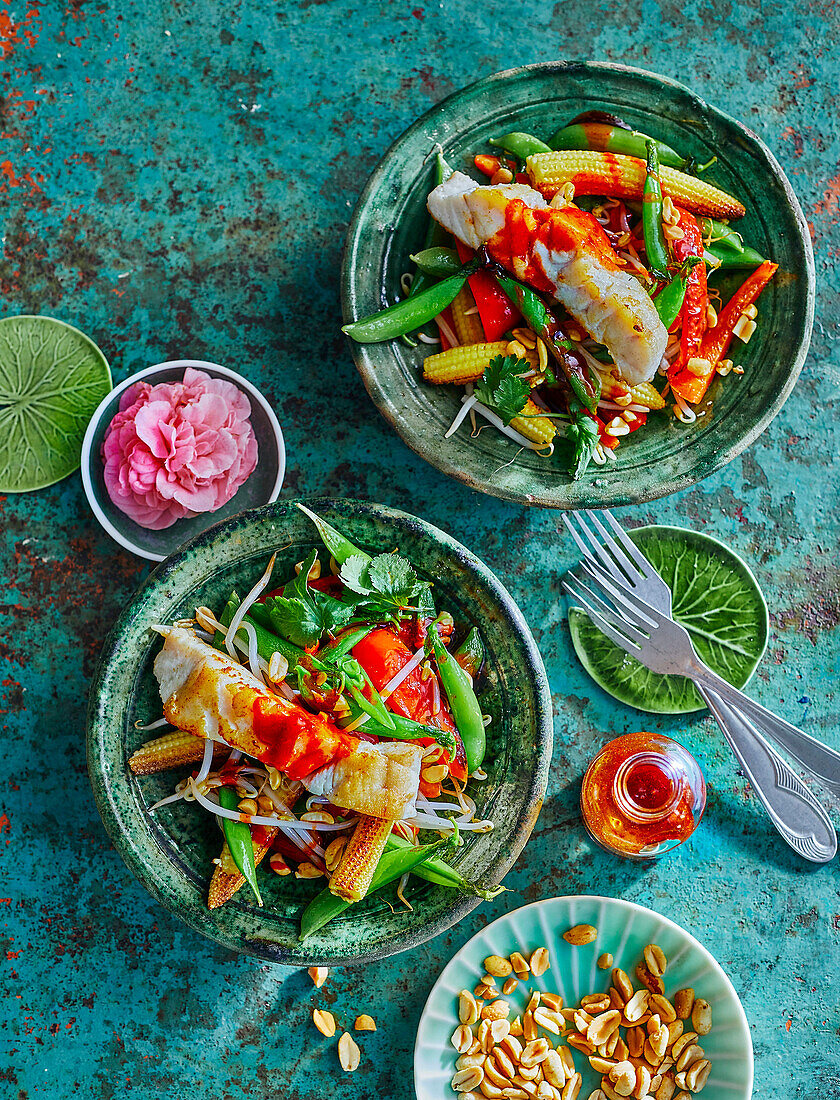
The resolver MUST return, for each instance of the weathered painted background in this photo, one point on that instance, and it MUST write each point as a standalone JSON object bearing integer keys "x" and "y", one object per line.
{"x": 175, "y": 179}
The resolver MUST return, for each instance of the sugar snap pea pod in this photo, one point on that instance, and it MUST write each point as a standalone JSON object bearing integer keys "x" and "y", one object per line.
{"x": 656, "y": 246}
{"x": 435, "y": 236}
{"x": 530, "y": 304}
{"x": 466, "y": 711}
{"x": 613, "y": 139}
{"x": 345, "y": 641}
{"x": 438, "y": 871}
{"x": 669, "y": 300}
{"x": 268, "y": 643}
{"x": 437, "y": 262}
{"x": 730, "y": 259}
{"x": 406, "y": 729}
{"x": 340, "y": 547}
{"x": 409, "y": 314}
{"x": 520, "y": 145}
{"x": 239, "y": 842}
{"x": 470, "y": 653}
{"x": 722, "y": 234}
{"x": 325, "y": 906}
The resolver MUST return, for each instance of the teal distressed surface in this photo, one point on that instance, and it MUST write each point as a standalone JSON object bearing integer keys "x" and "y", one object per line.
{"x": 176, "y": 179}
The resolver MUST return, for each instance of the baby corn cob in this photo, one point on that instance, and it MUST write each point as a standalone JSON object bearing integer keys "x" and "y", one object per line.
{"x": 352, "y": 876}
{"x": 533, "y": 425}
{"x": 596, "y": 173}
{"x": 169, "y": 751}
{"x": 460, "y": 365}
{"x": 227, "y": 878}
{"x": 643, "y": 394}
{"x": 465, "y": 318}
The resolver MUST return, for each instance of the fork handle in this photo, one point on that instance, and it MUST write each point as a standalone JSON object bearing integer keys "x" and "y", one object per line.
{"x": 799, "y": 818}
{"x": 821, "y": 761}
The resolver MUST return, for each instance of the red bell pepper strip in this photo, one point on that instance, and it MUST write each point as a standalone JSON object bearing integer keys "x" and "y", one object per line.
{"x": 489, "y": 165}
{"x": 496, "y": 310}
{"x": 694, "y": 312}
{"x": 715, "y": 344}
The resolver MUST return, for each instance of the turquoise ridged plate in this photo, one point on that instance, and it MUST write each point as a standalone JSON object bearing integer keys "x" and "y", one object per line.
{"x": 624, "y": 929}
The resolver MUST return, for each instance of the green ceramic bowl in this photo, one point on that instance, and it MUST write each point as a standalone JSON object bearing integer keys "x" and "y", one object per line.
{"x": 389, "y": 224}
{"x": 171, "y": 852}
{"x": 624, "y": 929}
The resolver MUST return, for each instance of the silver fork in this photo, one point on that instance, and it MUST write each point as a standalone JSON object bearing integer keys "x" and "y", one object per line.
{"x": 638, "y": 619}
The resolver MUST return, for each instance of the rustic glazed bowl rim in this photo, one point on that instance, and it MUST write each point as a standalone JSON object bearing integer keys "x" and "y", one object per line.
{"x": 558, "y": 497}
{"x": 118, "y": 822}
{"x": 88, "y": 457}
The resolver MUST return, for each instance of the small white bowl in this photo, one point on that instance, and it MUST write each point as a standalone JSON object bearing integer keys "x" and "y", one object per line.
{"x": 262, "y": 487}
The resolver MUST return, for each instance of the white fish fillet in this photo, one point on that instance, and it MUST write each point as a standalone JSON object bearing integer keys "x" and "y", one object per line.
{"x": 209, "y": 695}
{"x": 579, "y": 266}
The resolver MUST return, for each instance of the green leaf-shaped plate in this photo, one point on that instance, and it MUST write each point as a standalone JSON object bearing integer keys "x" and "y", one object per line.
{"x": 715, "y": 597}
{"x": 390, "y": 220}
{"x": 52, "y": 377}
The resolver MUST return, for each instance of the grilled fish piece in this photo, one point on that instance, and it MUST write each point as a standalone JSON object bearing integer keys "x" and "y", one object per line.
{"x": 561, "y": 252}
{"x": 208, "y": 694}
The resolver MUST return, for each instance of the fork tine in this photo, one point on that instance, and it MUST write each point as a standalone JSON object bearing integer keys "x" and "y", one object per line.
{"x": 621, "y": 640}
{"x": 622, "y": 596}
{"x": 593, "y": 602}
{"x": 643, "y": 565}
{"x": 597, "y": 550}
{"x": 581, "y": 545}
{"x": 614, "y": 547}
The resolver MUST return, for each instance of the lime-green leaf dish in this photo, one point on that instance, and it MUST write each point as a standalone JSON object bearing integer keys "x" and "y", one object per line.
{"x": 715, "y": 597}
{"x": 624, "y": 929}
{"x": 172, "y": 851}
{"x": 52, "y": 377}
{"x": 390, "y": 221}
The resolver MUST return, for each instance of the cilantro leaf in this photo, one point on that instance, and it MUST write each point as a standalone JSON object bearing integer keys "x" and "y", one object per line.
{"x": 501, "y": 388}
{"x": 583, "y": 435}
{"x": 296, "y": 620}
{"x": 354, "y": 574}
{"x": 392, "y": 576}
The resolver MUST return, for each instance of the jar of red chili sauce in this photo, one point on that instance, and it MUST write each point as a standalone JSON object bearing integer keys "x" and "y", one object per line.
{"x": 642, "y": 795}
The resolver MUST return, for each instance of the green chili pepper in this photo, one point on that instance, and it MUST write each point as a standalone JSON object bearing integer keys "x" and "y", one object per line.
{"x": 268, "y": 643}
{"x": 239, "y": 842}
{"x": 520, "y": 145}
{"x": 730, "y": 259}
{"x": 393, "y": 864}
{"x": 340, "y": 547}
{"x": 463, "y": 703}
{"x": 437, "y": 262}
{"x": 470, "y": 653}
{"x": 613, "y": 139}
{"x": 722, "y": 234}
{"x": 438, "y": 871}
{"x": 409, "y": 314}
{"x": 656, "y": 246}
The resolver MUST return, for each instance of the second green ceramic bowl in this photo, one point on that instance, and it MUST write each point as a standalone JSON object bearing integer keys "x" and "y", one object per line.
{"x": 171, "y": 851}
{"x": 389, "y": 224}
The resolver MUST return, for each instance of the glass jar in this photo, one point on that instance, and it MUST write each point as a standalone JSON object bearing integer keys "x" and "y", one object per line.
{"x": 642, "y": 795}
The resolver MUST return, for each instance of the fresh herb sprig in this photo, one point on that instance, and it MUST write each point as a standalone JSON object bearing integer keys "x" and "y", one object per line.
{"x": 381, "y": 587}
{"x": 303, "y": 614}
{"x": 502, "y": 388}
